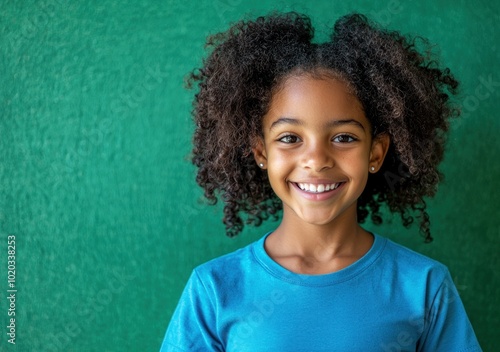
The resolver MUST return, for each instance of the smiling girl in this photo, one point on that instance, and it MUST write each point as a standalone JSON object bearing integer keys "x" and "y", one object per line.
{"x": 315, "y": 130}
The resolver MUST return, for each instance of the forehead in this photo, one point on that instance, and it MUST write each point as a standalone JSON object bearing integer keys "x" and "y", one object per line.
{"x": 306, "y": 95}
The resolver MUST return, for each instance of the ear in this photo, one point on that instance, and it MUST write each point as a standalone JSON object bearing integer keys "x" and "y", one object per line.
{"x": 259, "y": 152}
{"x": 380, "y": 146}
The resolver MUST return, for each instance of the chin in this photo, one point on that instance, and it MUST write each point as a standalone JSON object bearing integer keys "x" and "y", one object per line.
{"x": 316, "y": 220}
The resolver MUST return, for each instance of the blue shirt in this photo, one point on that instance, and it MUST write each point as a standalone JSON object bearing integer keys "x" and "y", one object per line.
{"x": 392, "y": 299}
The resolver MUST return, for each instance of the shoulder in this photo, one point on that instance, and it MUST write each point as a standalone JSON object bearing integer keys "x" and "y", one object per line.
{"x": 407, "y": 265}
{"x": 425, "y": 282}
{"x": 237, "y": 257}
{"x": 406, "y": 257}
{"x": 228, "y": 267}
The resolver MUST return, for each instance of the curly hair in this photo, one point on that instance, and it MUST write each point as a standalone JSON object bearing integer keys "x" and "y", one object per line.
{"x": 403, "y": 92}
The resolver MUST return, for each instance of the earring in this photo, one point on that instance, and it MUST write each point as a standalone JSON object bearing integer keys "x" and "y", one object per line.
{"x": 372, "y": 169}
{"x": 261, "y": 165}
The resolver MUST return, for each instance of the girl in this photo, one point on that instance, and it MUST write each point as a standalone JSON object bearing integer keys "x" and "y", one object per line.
{"x": 326, "y": 133}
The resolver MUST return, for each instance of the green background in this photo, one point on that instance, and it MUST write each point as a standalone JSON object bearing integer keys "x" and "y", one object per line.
{"x": 96, "y": 185}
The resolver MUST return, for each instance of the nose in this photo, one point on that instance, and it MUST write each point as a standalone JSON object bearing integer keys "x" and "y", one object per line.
{"x": 318, "y": 156}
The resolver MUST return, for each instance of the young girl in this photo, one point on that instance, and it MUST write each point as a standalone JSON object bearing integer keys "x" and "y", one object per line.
{"x": 327, "y": 133}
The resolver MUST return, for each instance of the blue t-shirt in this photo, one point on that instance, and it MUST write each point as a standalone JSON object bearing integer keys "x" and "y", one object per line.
{"x": 392, "y": 299}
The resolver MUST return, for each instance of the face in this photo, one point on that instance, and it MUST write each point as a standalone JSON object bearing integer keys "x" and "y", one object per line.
{"x": 317, "y": 149}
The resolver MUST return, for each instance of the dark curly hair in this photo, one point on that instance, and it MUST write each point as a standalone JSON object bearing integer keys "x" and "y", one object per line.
{"x": 403, "y": 92}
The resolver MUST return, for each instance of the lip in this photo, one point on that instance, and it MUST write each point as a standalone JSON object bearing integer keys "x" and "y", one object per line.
{"x": 316, "y": 181}
{"x": 318, "y": 196}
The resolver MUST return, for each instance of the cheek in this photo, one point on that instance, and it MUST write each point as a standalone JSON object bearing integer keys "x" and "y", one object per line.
{"x": 356, "y": 163}
{"x": 280, "y": 160}
{"x": 279, "y": 168}
{"x": 278, "y": 163}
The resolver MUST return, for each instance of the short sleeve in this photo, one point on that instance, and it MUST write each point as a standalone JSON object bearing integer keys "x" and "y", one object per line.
{"x": 447, "y": 327}
{"x": 192, "y": 327}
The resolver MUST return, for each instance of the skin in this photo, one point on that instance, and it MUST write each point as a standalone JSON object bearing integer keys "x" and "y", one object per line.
{"x": 316, "y": 132}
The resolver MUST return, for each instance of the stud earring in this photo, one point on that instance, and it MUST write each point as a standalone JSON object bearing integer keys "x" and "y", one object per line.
{"x": 261, "y": 165}
{"x": 372, "y": 169}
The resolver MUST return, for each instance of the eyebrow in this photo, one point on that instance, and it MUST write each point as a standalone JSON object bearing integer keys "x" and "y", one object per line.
{"x": 329, "y": 124}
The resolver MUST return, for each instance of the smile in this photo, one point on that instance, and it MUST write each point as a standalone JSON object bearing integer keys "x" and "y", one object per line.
{"x": 318, "y": 188}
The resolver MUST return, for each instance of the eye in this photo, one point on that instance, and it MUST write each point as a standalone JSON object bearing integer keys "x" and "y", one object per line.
{"x": 289, "y": 139}
{"x": 344, "y": 138}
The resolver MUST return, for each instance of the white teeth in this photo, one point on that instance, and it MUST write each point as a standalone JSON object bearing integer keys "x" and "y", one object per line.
{"x": 310, "y": 187}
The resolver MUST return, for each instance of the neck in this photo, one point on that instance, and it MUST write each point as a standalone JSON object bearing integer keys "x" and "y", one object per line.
{"x": 311, "y": 248}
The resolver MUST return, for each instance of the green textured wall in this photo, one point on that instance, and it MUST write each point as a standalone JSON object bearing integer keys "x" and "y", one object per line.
{"x": 97, "y": 190}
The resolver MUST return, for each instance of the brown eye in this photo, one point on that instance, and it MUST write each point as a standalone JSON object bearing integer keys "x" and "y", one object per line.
{"x": 289, "y": 139}
{"x": 344, "y": 138}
